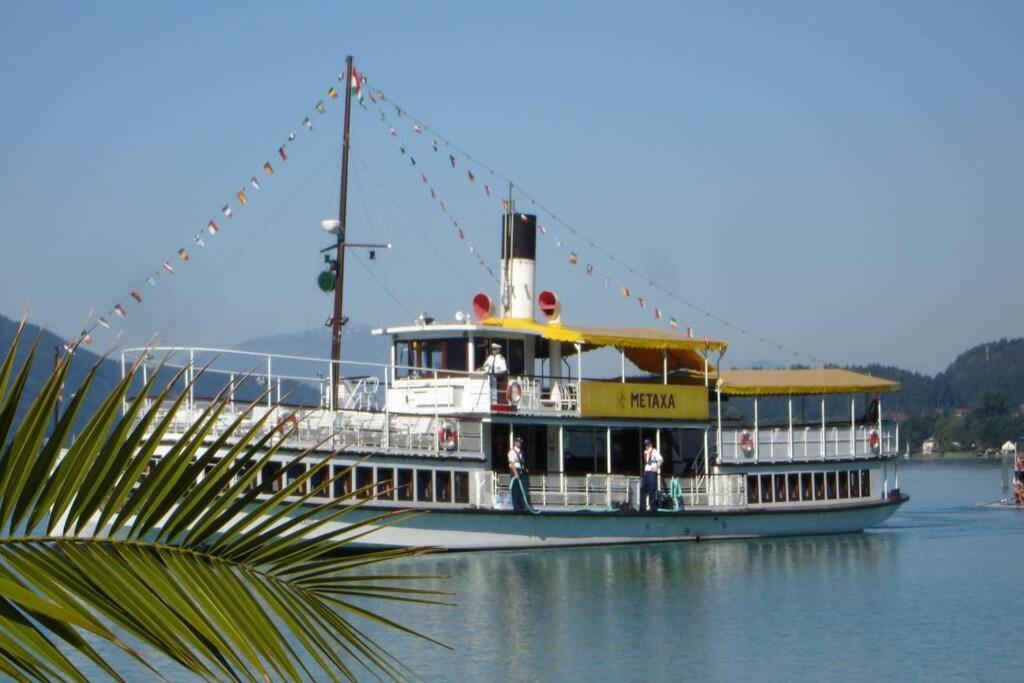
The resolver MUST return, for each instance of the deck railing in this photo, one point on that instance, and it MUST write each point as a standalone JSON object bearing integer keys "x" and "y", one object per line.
{"x": 807, "y": 443}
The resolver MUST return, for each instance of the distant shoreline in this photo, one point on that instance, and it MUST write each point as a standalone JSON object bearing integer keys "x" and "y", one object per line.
{"x": 956, "y": 455}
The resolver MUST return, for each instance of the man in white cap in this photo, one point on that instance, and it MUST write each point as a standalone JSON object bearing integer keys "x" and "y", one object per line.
{"x": 520, "y": 483}
{"x": 649, "y": 483}
{"x": 496, "y": 367}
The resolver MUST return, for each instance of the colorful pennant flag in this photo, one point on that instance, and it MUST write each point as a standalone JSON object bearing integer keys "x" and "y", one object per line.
{"x": 182, "y": 254}
{"x": 103, "y": 322}
{"x": 504, "y": 204}
{"x": 199, "y": 240}
{"x": 357, "y": 84}
{"x": 643, "y": 304}
{"x": 423, "y": 177}
{"x": 254, "y": 181}
{"x": 212, "y": 227}
{"x": 590, "y": 269}
{"x": 416, "y": 129}
{"x": 332, "y": 93}
{"x": 227, "y": 211}
{"x": 472, "y": 177}
{"x": 672, "y": 323}
{"x": 291, "y": 136}
{"x": 412, "y": 159}
{"x": 657, "y": 313}
{"x": 135, "y": 295}
{"x": 267, "y": 168}
{"x": 87, "y": 339}
{"x": 243, "y": 200}
{"x": 443, "y": 207}
{"x": 451, "y": 158}
{"x": 284, "y": 155}
{"x": 432, "y": 194}
{"x": 625, "y": 292}
{"x": 542, "y": 229}
{"x": 572, "y": 257}
{"x": 401, "y": 147}
{"x": 462, "y": 235}
{"x": 320, "y": 107}
{"x": 151, "y": 281}
{"x": 558, "y": 243}
{"x": 435, "y": 145}
{"x": 487, "y": 190}
{"x": 168, "y": 267}
{"x": 120, "y": 310}
{"x": 307, "y": 123}
{"x": 689, "y": 332}
{"x": 393, "y": 132}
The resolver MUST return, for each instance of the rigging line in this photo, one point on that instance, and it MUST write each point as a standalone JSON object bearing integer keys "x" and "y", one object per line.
{"x": 408, "y": 218}
{"x": 448, "y": 143}
{"x": 383, "y": 286}
{"x": 373, "y": 236}
{"x": 266, "y": 224}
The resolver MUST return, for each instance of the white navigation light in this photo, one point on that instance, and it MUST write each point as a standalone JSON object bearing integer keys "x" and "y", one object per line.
{"x": 459, "y": 316}
{"x": 331, "y": 225}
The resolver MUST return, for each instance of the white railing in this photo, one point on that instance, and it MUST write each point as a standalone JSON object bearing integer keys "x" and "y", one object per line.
{"x": 808, "y": 443}
{"x": 341, "y": 430}
{"x": 609, "y": 491}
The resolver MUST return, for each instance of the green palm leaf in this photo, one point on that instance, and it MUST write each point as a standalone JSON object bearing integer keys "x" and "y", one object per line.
{"x": 181, "y": 552}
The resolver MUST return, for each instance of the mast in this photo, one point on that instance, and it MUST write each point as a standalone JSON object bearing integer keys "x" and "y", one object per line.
{"x": 339, "y": 282}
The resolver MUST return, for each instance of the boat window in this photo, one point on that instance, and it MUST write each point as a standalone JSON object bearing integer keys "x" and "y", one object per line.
{"x": 462, "y": 487}
{"x": 807, "y": 487}
{"x": 294, "y": 472}
{"x": 780, "y": 488}
{"x": 819, "y": 486}
{"x": 364, "y": 477}
{"x": 513, "y": 350}
{"x": 854, "y": 483}
{"x": 317, "y": 481}
{"x": 443, "y": 480}
{"x": 343, "y": 484}
{"x": 271, "y": 472}
{"x": 794, "y": 486}
{"x": 385, "y": 483}
{"x": 404, "y": 488}
{"x": 425, "y": 486}
{"x": 753, "y": 495}
{"x": 584, "y": 450}
{"x": 830, "y": 485}
{"x": 627, "y": 450}
{"x": 420, "y": 357}
{"x": 844, "y": 489}
{"x": 865, "y": 483}
{"x": 766, "y": 488}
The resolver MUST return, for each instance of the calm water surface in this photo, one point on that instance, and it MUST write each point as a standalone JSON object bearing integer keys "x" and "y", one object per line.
{"x": 934, "y": 594}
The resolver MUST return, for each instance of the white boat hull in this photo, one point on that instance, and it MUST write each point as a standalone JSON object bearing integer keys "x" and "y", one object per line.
{"x": 487, "y": 530}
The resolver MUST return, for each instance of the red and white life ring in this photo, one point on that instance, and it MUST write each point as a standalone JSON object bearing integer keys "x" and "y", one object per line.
{"x": 746, "y": 442}
{"x": 284, "y": 422}
{"x": 448, "y": 436}
{"x": 514, "y": 392}
{"x": 874, "y": 442}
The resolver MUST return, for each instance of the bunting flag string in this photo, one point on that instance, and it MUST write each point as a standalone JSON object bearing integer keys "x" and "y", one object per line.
{"x": 419, "y": 126}
{"x": 166, "y": 268}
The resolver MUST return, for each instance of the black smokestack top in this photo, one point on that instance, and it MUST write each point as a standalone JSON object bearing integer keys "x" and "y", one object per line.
{"x": 519, "y": 236}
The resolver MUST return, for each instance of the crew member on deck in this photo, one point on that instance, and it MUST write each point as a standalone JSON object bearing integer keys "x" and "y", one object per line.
{"x": 649, "y": 484}
{"x": 496, "y": 367}
{"x": 520, "y": 481}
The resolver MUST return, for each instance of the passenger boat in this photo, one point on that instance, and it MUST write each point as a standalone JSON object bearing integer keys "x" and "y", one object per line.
{"x": 437, "y": 430}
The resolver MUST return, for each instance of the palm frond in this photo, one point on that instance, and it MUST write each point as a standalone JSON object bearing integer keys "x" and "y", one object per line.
{"x": 124, "y": 533}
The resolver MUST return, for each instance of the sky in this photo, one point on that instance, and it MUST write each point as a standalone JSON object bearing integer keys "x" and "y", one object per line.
{"x": 839, "y": 179}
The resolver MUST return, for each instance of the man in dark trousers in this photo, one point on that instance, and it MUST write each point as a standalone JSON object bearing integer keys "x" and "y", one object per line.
{"x": 517, "y": 469}
{"x": 649, "y": 483}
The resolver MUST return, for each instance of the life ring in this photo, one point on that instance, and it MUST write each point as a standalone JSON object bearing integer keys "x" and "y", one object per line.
{"x": 282, "y": 423}
{"x": 514, "y": 392}
{"x": 448, "y": 436}
{"x": 746, "y": 442}
{"x": 874, "y": 443}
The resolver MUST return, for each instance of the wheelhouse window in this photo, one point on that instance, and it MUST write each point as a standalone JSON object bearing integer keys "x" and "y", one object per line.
{"x": 766, "y": 488}
{"x": 753, "y": 492}
{"x": 794, "y": 486}
{"x": 807, "y": 486}
{"x": 425, "y": 357}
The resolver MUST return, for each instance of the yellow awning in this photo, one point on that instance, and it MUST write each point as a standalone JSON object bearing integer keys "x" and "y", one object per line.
{"x": 642, "y": 345}
{"x": 790, "y": 382}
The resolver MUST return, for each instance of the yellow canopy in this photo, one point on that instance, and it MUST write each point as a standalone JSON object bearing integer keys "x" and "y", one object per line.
{"x": 789, "y": 382}
{"x": 642, "y": 345}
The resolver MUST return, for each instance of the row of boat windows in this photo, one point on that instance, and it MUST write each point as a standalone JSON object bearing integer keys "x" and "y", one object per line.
{"x": 382, "y": 483}
{"x": 800, "y": 486}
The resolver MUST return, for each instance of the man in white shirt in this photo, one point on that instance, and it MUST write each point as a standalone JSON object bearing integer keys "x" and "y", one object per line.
{"x": 520, "y": 483}
{"x": 649, "y": 483}
{"x": 496, "y": 367}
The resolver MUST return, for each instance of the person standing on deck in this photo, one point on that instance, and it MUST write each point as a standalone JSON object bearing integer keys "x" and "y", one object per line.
{"x": 496, "y": 367}
{"x": 520, "y": 482}
{"x": 649, "y": 484}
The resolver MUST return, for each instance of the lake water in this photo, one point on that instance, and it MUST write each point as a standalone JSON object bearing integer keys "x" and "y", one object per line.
{"x": 933, "y": 594}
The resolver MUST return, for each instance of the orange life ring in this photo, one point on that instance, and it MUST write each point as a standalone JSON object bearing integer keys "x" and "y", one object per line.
{"x": 874, "y": 442}
{"x": 746, "y": 442}
{"x": 514, "y": 392}
{"x": 448, "y": 436}
{"x": 282, "y": 423}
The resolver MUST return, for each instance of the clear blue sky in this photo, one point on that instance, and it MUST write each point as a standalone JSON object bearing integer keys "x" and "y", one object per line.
{"x": 843, "y": 178}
